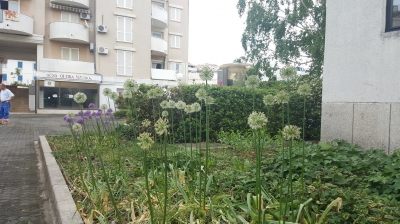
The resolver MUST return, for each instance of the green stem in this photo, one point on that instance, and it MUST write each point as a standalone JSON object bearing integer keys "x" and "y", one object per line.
{"x": 282, "y": 167}
{"x": 147, "y": 186}
{"x": 303, "y": 154}
{"x": 207, "y": 147}
{"x": 165, "y": 180}
{"x": 184, "y": 130}
{"x": 258, "y": 175}
{"x": 291, "y": 179}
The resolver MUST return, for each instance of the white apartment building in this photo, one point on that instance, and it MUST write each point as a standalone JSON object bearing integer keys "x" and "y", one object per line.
{"x": 87, "y": 45}
{"x": 27, "y": 70}
{"x": 361, "y": 97}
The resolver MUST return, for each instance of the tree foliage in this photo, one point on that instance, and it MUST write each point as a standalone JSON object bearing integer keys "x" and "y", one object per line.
{"x": 284, "y": 32}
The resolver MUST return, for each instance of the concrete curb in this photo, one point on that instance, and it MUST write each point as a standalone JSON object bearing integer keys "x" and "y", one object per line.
{"x": 61, "y": 202}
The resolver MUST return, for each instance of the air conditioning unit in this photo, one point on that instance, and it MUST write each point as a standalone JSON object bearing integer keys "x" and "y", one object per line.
{"x": 102, "y": 29}
{"x": 91, "y": 47}
{"x": 85, "y": 16}
{"x": 103, "y": 50}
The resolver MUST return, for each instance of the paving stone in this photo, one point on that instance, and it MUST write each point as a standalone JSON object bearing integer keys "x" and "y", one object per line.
{"x": 21, "y": 190}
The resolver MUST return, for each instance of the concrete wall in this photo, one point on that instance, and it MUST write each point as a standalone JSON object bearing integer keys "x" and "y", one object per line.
{"x": 20, "y": 103}
{"x": 361, "y": 76}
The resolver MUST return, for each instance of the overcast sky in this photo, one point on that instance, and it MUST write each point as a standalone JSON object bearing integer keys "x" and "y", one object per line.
{"x": 215, "y": 31}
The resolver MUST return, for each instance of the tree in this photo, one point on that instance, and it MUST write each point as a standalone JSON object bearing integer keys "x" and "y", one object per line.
{"x": 284, "y": 32}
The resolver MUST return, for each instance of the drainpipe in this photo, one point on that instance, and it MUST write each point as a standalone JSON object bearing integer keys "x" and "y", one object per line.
{"x": 94, "y": 35}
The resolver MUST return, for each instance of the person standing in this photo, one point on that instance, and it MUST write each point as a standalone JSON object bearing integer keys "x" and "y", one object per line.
{"x": 6, "y": 96}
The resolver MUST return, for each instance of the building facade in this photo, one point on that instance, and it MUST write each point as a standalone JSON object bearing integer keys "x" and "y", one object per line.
{"x": 27, "y": 72}
{"x": 88, "y": 45}
{"x": 361, "y": 97}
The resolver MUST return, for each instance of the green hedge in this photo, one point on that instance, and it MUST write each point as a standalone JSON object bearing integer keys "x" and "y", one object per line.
{"x": 233, "y": 105}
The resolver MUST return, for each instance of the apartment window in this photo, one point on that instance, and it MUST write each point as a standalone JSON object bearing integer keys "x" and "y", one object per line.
{"x": 175, "y": 41}
{"x": 20, "y": 78}
{"x": 20, "y": 64}
{"x": 13, "y": 6}
{"x": 156, "y": 34}
{"x": 175, "y": 14}
{"x": 4, "y": 77}
{"x": 177, "y": 67}
{"x": 70, "y": 17}
{"x": 157, "y": 65}
{"x": 124, "y": 4}
{"x": 124, "y": 63}
{"x": 34, "y": 66}
{"x": 393, "y": 15}
{"x": 124, "y": 29}
{"x": 70, "y": 54}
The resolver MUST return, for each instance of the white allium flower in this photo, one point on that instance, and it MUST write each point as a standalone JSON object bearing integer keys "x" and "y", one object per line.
{"x": 257, "y": 120}
{"x": 127, "y": 94}
{"x": 164, "y": 113}
{"x": 151, "y": 94}
{"x": 209, "y": 100}
{"x": 146, "y": 123}
{"x": 288, "y": 73}
{"x": 201, "y": 94}
{"x": 114, "y": 96}
{"x": 196, "y": 107}
{"x": 104, "y": 107}
{"x": 80, "y": 97}
{"x": 131, "y": 85}
{"x": 206, "y": 74}
{"x": 171, "y": 104}
{"x": 145, "y": 141}
{"x": 282, "y": 97}
{"x": 189, "y": 109}
{"x": 304, "y": 90}
{"x": 180, "y": 105}
{"x": 70, "y": 114}
{"x": 159, "y": 91}
{"x": 77, "y": 128}
{"x": 269, "y": 100}
{"x": 161, "y": 126}
{"x": 252, "y": 82}
{"x": 164, "y": 104}
{"x": 107, "y": 92}
{"x": 291, "y": 132}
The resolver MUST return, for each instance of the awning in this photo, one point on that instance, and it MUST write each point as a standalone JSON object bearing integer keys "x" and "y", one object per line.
{"x": 68, "y": 8}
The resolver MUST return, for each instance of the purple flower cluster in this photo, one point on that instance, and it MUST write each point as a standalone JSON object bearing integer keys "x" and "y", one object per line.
{"x": 85, "y": 116}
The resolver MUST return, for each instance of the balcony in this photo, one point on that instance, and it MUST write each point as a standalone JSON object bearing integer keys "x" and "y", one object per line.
{"x": 69, "y": 32}
{"x": 24, "y": 25}
{"x": 161, "y": 74}
{"x": 63, "y": 66}
{"x": 159, "y": 17}
{"x": 159, "y": 46}
{"x": 73, "y": 3}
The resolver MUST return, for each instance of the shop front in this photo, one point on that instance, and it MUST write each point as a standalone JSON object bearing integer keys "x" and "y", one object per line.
{"x": 55, "y": 91}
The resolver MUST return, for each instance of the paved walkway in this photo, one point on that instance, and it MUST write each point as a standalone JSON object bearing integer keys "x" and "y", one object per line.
{"x": 21, "y": 186}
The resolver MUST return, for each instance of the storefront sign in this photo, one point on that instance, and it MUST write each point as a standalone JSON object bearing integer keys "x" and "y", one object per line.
{"x": 68, "y": 76}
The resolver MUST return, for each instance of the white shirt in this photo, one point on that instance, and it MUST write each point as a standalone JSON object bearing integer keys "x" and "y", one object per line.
{"x": 6, "y": 95}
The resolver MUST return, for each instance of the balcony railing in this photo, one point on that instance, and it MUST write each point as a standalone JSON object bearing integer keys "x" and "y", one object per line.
{"x": 73, "y": 3}
{"x": 69, "y": 32}
{"x": 63, "y": 66}
{"x": 20, "y": 24}
{"x": 161, "y": 74}
{"x": 159, "y": 46}
{"x": 159, "y": 17}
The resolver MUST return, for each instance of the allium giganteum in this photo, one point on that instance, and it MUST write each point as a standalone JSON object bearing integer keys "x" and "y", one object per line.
{"x": 257, "y": 120}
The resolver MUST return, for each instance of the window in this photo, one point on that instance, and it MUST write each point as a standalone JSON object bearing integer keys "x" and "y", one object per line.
{"x": 157, "y": 65}
{"x": 175, "y": 41}
{"x": 124, "y": 63}
{"x": 4, "y": 76}
{"x": 158, "y": 35}
{"x": 158, "y": 4}
{"x": 4, "y": 65}
{"x": 20, "y": 78}
{"x": 70, "y": 17}
{"x": 20, "y": 64}
{"x": 124, "y": 4}
{"x": 393, "y": 15}
{"x": 34, "y": 66}
{"x": 13, "y": 6}
{"x": 124, "y": 29}
{"x": 70, "y": 54}
{"x": 177, "y": 67}
{"x": 175, "y": 14}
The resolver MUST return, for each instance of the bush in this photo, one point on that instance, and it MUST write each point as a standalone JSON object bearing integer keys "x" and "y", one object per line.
{"x": 233, "y": 105}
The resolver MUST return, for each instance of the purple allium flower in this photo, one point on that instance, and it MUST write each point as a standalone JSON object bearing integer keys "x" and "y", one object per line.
{"x": 112, "y": 116}
{"x": 87, "y": 113}
{"x": 93, "y": 114}
{"x": 70, "y": 119}
{"x": 91, "y": 105}
{"x": 106, "y": 122}
{"x": 97, "y": 119}
{"x": 80, "y": 113}
{"x": 109, "y": 110}
{"x": 79, "y": 121}
{"x": 108, "y": 113}
{"x": 65, "y": 118}
{"x": 85, "y": 119}
{"x": 99, "y": 113}
{"x": 99, "y": 109}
